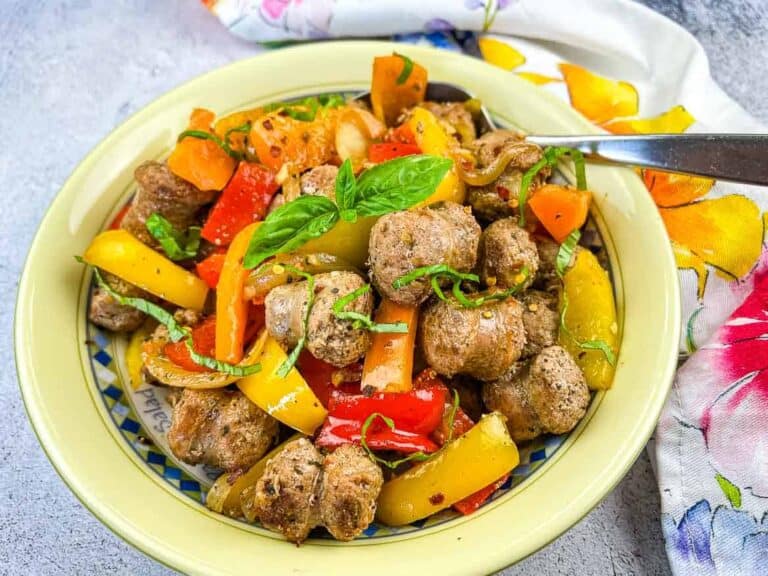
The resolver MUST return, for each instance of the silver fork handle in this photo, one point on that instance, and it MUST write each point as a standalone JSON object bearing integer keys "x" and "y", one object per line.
{"x": 732, "y": 157}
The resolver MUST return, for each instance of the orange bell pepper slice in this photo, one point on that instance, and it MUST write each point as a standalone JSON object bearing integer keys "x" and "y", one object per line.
{"x": 388, "y": 366}
{"x": 388, "y": 97}
{"x": 231, "y": 309}
{"x": 560, "y": 210}
{"x": 202, "y": 163}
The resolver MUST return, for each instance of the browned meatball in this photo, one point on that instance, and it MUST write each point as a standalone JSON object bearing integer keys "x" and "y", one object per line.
{"x": 469, "y": 395}
{"x": 456, "y": 116}
{"x": 491, "y": 144}
{"x": 161, "y": 191}
{"x": 108, "y": 313}
{"x": 320, "y": 181}
{"x": 480, "y": 342}
{"x": 221, "y": 428}
{"x": 351, "y": 485}
{"x": 558, "y": 391}
{"x": 541, "y": 321}
{"x": 510, "y": 396}
{"x": 286, "y": 498}
{"x": 328, "y": 338}
{"x": 443, "y": 233}
{"x": 547, "y": 278}
{"x": 508, "y": 256}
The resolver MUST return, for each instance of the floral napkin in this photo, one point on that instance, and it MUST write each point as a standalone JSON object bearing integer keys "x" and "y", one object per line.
{"x": 629, "y": 70}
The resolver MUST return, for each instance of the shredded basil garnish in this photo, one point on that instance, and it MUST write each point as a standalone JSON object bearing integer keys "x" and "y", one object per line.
{"x": 452, "y": 416}
{"x": 601, "y": 345}
{"x": 290, "y": 362}
{"x": 432, "y": 271}
{"x": 550, "y": 158}
{"x": 176, "y": 332}
{"x": 565, "y": 252}
{"x": 364, "y": 320}
{"x": 203, "y": 135}
{"x": 242, "y": 129}
{"x": 407, "y": 69}
{"x": 176, "y": 245}
{"x": 306, "y": 109}
{"x": 415, "y": 457}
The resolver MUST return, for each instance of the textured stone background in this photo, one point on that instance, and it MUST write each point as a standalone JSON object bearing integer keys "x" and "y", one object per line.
{"x": 69, "y": 72}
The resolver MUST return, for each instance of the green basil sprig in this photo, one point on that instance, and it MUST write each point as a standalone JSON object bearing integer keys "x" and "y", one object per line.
{"x": 550, "y": 157}
{"x": 176, "y": 245}
{"x": 388, "y": 187}
{"x": 407, "y": 69}
{"x": 203, "y": 135}
{"x": 364, "y": 320}
{"x": 601, "y": 345}
{"x": 306, "y": 109}
{"x": 290, "y": 362}
{"x": 565, "y": 252}
{"x": 176, "y": 332}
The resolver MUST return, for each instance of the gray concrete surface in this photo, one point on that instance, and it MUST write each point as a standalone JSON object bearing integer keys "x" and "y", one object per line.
{"x": 69, "y": 72}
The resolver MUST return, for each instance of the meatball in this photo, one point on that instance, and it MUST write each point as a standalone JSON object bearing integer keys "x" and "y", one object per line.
{"x": 351, "y": 485}
{"x": 547, "y": 278}
{"x": 491, "y": 144}
{"x": 221, "y": 428}
{"x": 480, "y": 342}
{"x": 558, "y": 391}
{"x": 508, "y": 256}
{"x": 541, "y": 321}
{"x": 108, "y": 313}
{"x": 161, "y": 191}
{"x": 328, "y": 337}
{"x": 456, "y": 116}
{"x": 509, "y": 395}
{"x": 549, "y": 394}
{"x": 286, "y": 498}
{"x": 469, "y": 395}
{"x": 320, "y": 181}
{"x": 443, "y": 233}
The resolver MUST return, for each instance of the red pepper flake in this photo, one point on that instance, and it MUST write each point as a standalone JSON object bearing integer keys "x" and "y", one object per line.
{"x": 275, "y": 151}
{"x": 437, "y": 499}
{"x": 503, "y": 192}
{"x": 267, "y": 124}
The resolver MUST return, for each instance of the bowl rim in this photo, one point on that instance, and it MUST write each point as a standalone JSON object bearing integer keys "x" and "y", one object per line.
{"x": 51, "y": 432}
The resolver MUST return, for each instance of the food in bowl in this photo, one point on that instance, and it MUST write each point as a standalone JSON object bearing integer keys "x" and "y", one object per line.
{"x": 361, "y": 310}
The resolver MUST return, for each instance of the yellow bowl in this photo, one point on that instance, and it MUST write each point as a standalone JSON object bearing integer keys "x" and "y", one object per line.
{"x": 76, "y": 427}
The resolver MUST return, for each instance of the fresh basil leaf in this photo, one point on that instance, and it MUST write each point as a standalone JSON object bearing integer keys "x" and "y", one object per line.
{"x": 362, "y": 320}
{"x": 333, "y": 100}
{"x": 291, "y": 226}
{"x": 176, "y": 245}
{"x": 433, "y": 271}
{"x": 218, "y": 365}
{"x": 345, "y": 189}
{"x": 407, "y": 69}
{"x": 565, "y": 252}
{"x": 415, "y": 457}
{"x": 400, "y": 183}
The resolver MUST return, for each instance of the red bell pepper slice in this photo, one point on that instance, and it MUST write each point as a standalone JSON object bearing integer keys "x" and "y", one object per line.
{"x": 319, "y": 377}
{"x": 338, "y": 431}
{"x": 388, "y": 150}
{"x": 417, "y": 411}
{"x": 245, "y": 200}
{"x": 402, "y": 134}
{"x": 428, "y": 378}
{"x": 203, "y": 341}
{"x": 117, "y": 222}
{"x": 472, "y": 502}
{"x": 209, "y": 269}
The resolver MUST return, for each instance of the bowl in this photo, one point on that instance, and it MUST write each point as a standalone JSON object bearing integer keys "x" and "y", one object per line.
{"x": 105, "y": 440}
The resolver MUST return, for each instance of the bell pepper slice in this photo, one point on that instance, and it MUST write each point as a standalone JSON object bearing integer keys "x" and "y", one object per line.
{"x": 200, "y": 162}
{"x": 224, "y": 495}
{"x": 560, "y": 209}
{"x": 432, "y": 139}
{"x": 452, "y": 424}
{"x": 122, "y": 254}
{"x": 388, "y": 365}
{"x": 346, "y": 240}
{"x": 244, "y": 200}
{"x": 236, "y": 120}
{"x": 417, "y": 411}
{"x": 118, "y": 220}
{"x": 231, "y": 309}
{"x": 391, "y": 92}
{"x": 209, "y": 269}
{"x": 203, "y": 341}
{"x": 320, "y": 377}
{"x": 388, "y": 150}
{"x": 290, "y": 400}
{"x": 133, "y": 361}
{"x": 461, "y": 468}
{"x": 472, "y": 503}
{"x": 338, "y": 431}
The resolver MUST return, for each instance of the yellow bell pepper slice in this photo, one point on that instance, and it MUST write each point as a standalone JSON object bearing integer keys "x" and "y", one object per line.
{"x": 346, "y": 240}
{"x": 433, "y": 139}
{"x": 133, "y": 361}
{"x": 231, "y": 309}
{"x": 471, "y": 462}
{"x": 122, "y": 254}
{"x": 591, "y": 315}
{"x": 290, "y": 400}
{"x": 224, "y": 495}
